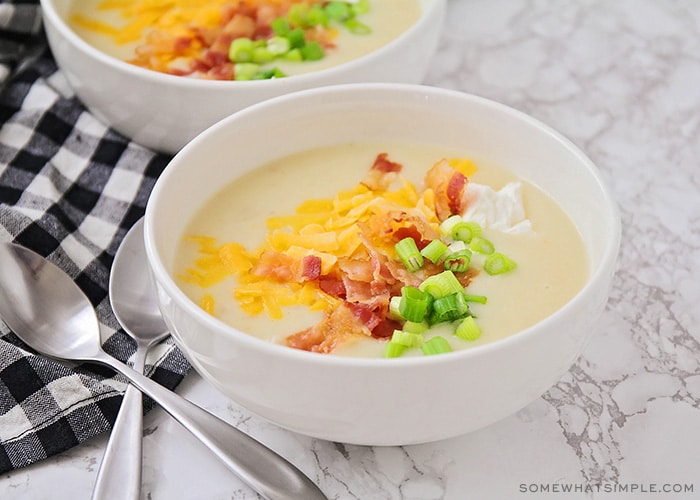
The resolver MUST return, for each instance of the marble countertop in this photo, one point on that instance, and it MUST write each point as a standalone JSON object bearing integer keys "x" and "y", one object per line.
{"x": 621, "y": 79}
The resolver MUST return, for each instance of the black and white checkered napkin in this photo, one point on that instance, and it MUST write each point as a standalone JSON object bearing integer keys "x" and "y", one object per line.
{"x": 70, "y": 188}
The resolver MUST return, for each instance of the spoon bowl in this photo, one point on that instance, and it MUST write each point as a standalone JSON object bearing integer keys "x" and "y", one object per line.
{"x": 131, "y": 291}
{"x": 46, "y": 309}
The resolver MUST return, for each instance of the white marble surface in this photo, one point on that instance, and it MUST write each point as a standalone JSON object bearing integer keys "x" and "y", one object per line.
{"x": 621, "y": 78}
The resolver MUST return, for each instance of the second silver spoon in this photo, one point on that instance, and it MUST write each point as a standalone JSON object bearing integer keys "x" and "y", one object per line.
{"x": 132, "y": 298}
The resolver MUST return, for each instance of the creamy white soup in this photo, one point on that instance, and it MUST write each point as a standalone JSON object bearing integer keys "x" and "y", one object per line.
{"x": 109, "y": 26}
{"x": 552, "y": 265}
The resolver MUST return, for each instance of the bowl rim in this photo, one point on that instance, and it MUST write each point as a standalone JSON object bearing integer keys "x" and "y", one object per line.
{"x": 606, "y": 267}
{"x": 50, "y": 15}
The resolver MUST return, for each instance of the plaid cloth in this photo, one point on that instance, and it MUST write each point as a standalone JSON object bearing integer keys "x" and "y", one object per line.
{"x": 70, "y": 188}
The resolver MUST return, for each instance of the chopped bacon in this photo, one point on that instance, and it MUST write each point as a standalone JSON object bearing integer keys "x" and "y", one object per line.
{"x": 386, "y": 328}
{"x": 411, "y": 232}
{"x": 371, "y": 313}
{"x": 283, "y": 268}
{"x": 275, "y": 265}
{"x": 332, "y": 286}
{"x": 448, "y": 184}
{"x": 311, "y": 267}
{"x": 382, "y": 173}
{"x": 324, "y": 336}
{"x": 383, "y": 164}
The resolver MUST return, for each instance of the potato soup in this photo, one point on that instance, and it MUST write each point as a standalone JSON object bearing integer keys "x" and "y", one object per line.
{"x": 551, "y": 261}
{"x": 167, "y": 36}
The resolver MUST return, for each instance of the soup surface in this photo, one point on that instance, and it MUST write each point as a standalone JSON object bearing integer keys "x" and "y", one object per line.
{"x": 193, "y": 38}
{"x": 552, "y": 264}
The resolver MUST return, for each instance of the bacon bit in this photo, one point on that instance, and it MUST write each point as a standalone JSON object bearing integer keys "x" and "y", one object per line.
{"x": 411, "y": 232}
{"x": 311, "y": 267}
{"x": 326, "y": 335}
{"x": 382, "y": 173}
{"x": 274, "y": 265}
{"x": 455, "y": 192}
{"x": 371, "y": 315}
{"x": 448, "y": 185}
{"x": 385, "y": 329}
{"x": 332, "y": 286}
{"x": 383, "y": 164}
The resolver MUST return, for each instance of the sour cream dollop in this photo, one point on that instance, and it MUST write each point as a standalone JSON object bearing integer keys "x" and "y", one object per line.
{"x": 501, "y": 210}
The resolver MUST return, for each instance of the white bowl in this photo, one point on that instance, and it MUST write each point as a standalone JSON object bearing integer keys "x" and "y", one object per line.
{"x": 360, "y": 401}
{"x": 163, "y": 112}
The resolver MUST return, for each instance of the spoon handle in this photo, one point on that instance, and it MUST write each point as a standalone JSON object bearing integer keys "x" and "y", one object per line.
{"x": 119, "y": 476}
{"x": 262, "y": 469}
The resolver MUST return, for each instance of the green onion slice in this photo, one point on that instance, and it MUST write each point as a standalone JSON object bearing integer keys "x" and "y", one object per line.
{"x": 436, "y": 345}
{"x": 447, "y": 225}
{"x": 465, "y": 231}
{"x": 450, "y": 307}
{"x": 414, "y": 304}
{"x": 481, "y": 245}
{"x": 458, "y": 262}
{"x": 393, "y": 350}
{"x": 441, "y": 284}
{"x": 406, "y": 339}
{"x": 409, "y": 254}
{"x": 415, "y": 327}
{"x": 468, "y": 329}
{"x": 479, "y": 299}
{"x": 434, "y": 250}
{"x": 357, "y": 28}
{"x": 497, "y": 263}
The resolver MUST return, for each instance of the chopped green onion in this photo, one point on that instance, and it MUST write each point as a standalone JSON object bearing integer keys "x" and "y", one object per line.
{"x": 414, "y": 327}
{"x": 414, "y": 304}
{"x": 278, "y": 45}
{"x": 262, "y": 55}
{"x": 393, "y": 350}
{"x": 468, "y": 329}
{"x": 465, "y": 231}
{"x": 360, "y": 7}
{"x": 296, "y": 15}
{"x": 338, "y": 11}
{"x": 450, "y": 308}
{"x": 409, "y": 254}
{"x": 269, "y": 74}
{"x": 458, "y": 262}
{"x": 436, "y": 345}
{"x": 497, "y": 263}
{"x": 312, "y": 51}
{"x": 357, "y": 28}
{"x": 406, "y": 338}
{"x": 280, "y": 26}
{"x": 479, "y": 299}
{"x": 293, "y": 55}
{"x": 316, "y": 16}
{"x": 241, "y": 50}
{"x": 245, "y": 71}
{"x": 394, "y": 308}
{"x": 481, "y": 245}
{"x": 447, "y": 225}
{"x": 296, "y": 37}
{"x": 441, "y": 284}
{"x": 434, "y": 250}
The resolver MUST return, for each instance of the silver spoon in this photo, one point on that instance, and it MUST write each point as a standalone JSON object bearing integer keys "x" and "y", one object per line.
{"x": 132, "y": 296}
{"x": 46, "y": 309}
